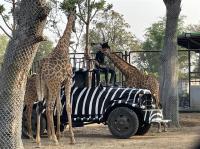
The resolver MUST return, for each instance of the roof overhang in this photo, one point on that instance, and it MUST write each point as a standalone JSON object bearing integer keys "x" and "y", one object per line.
{"x": 189, "y": 41}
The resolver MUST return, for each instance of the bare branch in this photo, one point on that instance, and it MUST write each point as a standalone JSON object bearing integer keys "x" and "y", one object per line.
{"x": 82, "y": 19}
{"x": 78, "y": 37}
{"x": 6, "y": 22}
{"x": 5, "y": 32}
{"x": 79, "y": 7}
{"x": 93, "y": 15}
{"x": 81, "y": 13}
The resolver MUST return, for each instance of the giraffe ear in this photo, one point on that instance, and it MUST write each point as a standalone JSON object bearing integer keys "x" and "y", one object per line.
{"x": 107, "y": 45}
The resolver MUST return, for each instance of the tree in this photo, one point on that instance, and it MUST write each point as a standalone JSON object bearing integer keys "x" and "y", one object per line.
{"x": 110, "y": 26}
{"x": 87, "y": 9}
{"x": 9, "y": 17}
{"x": 193, "y": 28}
{"x": 153, "y": 42}
{"x": 44, "y": 49}
{"x": 169, "y": 66}
{"x": 154, "y": 38}
{"x": 22, "y": 47}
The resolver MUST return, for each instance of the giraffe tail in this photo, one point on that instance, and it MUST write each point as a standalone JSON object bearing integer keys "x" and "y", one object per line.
{"x": 40, "y": 86}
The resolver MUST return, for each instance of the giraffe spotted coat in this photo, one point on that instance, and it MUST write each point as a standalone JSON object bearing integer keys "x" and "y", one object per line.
{"x": 134, "y": 77}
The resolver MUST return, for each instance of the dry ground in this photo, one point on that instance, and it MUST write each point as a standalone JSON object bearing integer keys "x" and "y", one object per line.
{"x": 99, "y": 137}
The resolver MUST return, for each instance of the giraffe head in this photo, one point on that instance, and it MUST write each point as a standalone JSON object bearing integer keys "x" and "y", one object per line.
{"x": 105, "y": 48}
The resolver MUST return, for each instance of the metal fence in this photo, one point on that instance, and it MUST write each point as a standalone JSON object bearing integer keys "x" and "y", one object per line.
{"x": 149, "y": 61}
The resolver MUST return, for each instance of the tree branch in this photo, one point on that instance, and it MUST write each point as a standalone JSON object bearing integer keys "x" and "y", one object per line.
{"x": 6, "y": 22}
{"x": 81, "y": 14}
{"x": 93, "y": 15}
{"x": 82, "y": 19}
{"x": 79, "y": 7}
{"x": 5, "y": 32}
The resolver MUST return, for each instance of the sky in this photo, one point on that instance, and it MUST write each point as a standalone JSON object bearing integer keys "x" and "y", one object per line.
{"x": 140, "y": 14}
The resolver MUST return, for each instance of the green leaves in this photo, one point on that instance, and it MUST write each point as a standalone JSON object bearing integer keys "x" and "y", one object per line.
{"x": 44, "y": 49}
{"x": 69, "y": 5}
{"x": 2, "y": 9}
{"x": 98, "y": 5}
{"x": 110, "y": 26}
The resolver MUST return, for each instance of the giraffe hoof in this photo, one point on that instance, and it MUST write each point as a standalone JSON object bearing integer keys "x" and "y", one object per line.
{"x": 33, "y": 140}
{"x": 50, "y": 138}
{"x": 30, "y": 136}
{"x": 58, "y": 135}
{"x": 56, "y": 142}
{"x": 159, "y": 131}
{"x": 38, "y": 145}
{"x": 73, "y": 141}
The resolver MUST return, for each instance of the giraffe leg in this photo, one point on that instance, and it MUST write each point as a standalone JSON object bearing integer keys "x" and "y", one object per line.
{"x": 38, "y": 130}
{"x": 50, "y": 104}
{"x": 165, "y": 127}
{"x": 68, "y": 108}
{"x": 70, "y": 124}
{"x": 29, "y": 113}
{"x": 48, "y": 123}
{"x": 159, "y": 127}
{"x": 58, "y": 107}
{"x": 54, "y": 138}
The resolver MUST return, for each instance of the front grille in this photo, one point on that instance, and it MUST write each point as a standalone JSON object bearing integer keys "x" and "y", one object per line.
{"x": 146, "y": 100}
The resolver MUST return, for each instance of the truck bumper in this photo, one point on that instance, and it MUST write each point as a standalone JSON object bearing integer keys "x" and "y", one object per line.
{"x": 154, "y": 116}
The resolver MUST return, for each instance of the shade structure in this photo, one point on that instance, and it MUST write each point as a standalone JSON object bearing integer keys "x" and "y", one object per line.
{"x": 189, "y": 41}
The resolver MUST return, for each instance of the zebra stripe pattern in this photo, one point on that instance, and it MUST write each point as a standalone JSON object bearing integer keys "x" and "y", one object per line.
{"x": 91, "y": 103}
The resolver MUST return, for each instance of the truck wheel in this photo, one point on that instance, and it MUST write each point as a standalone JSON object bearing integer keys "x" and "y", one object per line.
{"x": 143, "y": 128}
{"x": 123, "y": 122}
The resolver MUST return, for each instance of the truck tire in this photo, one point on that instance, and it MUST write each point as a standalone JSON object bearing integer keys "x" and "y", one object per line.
{"x": 123, "y": 122}
{"x": 143, "y": 128}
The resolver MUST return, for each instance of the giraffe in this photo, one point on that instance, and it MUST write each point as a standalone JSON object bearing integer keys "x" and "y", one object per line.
{"x": 29, "y": 98}
{"x": 55, "y": 70}
{"x": 134, "y": 77}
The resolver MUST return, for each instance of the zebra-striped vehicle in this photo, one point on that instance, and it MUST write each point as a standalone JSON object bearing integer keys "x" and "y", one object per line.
{"x": 126, "y": 111}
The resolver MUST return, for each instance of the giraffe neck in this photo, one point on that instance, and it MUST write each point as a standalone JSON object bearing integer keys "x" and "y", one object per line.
{"x": 121, "y": 64}
{"x": 64, "y": 42}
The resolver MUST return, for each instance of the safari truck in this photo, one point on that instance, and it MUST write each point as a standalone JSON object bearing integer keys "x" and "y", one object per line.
{"x": 126, "y": 111}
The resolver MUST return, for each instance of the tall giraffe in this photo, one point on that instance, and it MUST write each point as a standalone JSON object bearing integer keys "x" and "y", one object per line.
{"x": 55, "y": 70}
{"x": 134, "y": 77}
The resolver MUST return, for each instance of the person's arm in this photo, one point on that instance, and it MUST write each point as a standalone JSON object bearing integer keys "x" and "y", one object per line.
{"x": 97, "y": 63}
{"x": 98, "y": 60}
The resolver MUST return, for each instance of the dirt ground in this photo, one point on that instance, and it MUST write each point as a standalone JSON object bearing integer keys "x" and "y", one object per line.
{"x": 99, "y": 137}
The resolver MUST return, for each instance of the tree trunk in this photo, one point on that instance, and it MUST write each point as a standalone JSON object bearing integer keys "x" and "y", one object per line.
{"x": 30, "y": 18}
{"x": 169, "y": 63}
{"x": 87, "y": 51}
{"x": 87, "y": 47}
